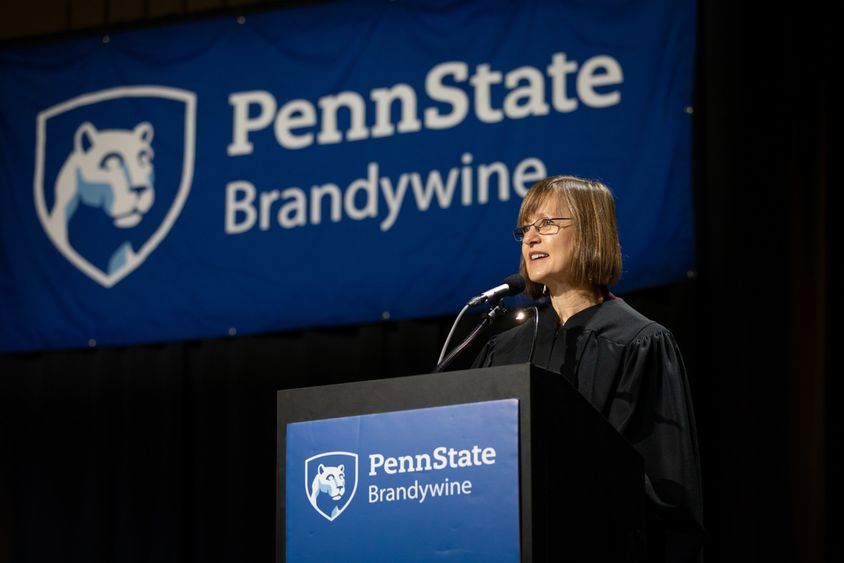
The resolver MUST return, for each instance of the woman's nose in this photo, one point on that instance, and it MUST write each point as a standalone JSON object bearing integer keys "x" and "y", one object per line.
{"x": 531, "y": 236}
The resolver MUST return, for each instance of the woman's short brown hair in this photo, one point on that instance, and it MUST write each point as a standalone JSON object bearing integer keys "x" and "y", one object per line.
{"x": 597, "y": 255}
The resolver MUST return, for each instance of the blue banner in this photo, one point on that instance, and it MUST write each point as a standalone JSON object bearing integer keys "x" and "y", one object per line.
{"x": 338, "y": 163}
{"x": 436, "y": 484}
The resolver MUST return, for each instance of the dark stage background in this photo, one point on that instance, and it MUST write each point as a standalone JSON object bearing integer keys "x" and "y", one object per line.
{"x": 166, "y": 452}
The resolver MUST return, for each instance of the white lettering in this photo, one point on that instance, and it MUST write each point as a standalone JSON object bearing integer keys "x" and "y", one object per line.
{"x": 485, "y": 171}
{"x": 558, "y": 70}
{"x": 394, "y": 199}
{"x": 267, "y": 199}
{"x": 243, "y": 124}
{"x": 423, "y": 461}
{"x": 295, "y": 114}
{"x": 443, "y": 457}
{"x": 375, "y": 461}
{"x": 440, "y": 460}
{"x": 361, "y": 199}
{"x": 317, "y": 193}
{"x": 330, "y": 106}
{"x": 405, "y": 463}
{"x": 533, "y": 93}
{"x": 455, "y": 97}
{"x": 390, "y": 465}
{"x": 422, "y": 492}
{"x": 599, "y": 71}
{"x": 383, "y": 98}
{"x": 434, "y": 185}
{"x": 464, "y": 458}
{"x": 466, "y": 179}
{"x": 482, "y": 80}
{"x": 243, "y": 205}
{"x": 293, "y": 214}
{"x": 527, "y": 172}
{"x": 369, "y": 186}
{"x": 523, "y": 90}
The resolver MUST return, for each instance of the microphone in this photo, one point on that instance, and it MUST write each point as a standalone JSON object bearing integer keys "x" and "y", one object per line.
{"x": 512, "y": 285}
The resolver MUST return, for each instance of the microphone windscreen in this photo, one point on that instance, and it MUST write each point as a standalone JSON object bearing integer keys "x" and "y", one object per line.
{"x": 516, "y": 283}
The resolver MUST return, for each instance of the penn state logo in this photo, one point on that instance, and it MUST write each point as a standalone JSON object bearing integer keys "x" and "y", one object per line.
{"x": 331, "y": 480}
{"x": 113, "y": 171}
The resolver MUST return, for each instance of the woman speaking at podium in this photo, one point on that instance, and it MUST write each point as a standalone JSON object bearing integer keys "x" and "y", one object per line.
{"x": 626, "y": 365}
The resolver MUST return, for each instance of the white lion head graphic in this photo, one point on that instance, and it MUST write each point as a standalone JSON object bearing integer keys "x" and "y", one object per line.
{"x": 325, "y": 483}
{"x": 110, "y": 170}
{"x": 330, "y": 481}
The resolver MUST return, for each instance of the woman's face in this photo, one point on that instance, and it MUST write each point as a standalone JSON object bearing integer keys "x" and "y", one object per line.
{"x": 548, "y": 257}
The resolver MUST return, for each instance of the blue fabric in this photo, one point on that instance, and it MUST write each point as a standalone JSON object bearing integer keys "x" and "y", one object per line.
{"x": 258, "y": 176}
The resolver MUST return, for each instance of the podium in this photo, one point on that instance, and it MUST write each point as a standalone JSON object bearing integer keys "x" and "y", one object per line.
{"x": 578, "y": 485}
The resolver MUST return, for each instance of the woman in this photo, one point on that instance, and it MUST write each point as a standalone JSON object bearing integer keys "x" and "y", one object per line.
{"x": 628, "y": 367}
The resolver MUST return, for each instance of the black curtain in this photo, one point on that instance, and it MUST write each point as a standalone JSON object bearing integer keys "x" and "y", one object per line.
{"x": 167, "y": 452}
{"x": 762, "y": 154}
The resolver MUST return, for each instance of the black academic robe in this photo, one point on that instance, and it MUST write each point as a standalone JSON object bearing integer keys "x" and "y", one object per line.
{"x": 630, "y": 369}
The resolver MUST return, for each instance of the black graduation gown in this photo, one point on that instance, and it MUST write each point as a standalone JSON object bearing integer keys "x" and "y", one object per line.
{"x": 630, "y": 369}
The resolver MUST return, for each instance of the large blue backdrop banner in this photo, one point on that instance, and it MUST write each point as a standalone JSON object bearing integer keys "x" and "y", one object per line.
{"x": 337, "y": 163}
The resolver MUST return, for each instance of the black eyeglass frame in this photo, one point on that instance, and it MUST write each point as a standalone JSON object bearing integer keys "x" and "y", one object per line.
{"x": 520, "y": 232}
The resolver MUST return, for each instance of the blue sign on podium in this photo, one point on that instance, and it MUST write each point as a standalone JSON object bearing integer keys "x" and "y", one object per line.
{"x": 429, "y": 484}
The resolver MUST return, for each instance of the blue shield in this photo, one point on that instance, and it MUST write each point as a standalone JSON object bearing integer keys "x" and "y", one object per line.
{"x": 331, "y": 480}
{"x": 113, "y": 170}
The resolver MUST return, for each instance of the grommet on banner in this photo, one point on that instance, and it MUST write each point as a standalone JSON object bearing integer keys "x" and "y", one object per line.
{"x": 689, "y": 109}
{"x": 241, "y": 20}
{"x": 385, "y": 315}
{"x": 232, "y": 331}
{"x": 691, "y": 274}
{"x": 92, "y": 343}
{"x": 106, "y": 39}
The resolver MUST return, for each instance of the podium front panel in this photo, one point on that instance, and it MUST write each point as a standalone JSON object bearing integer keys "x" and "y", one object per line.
{"x": 428, "y": 484}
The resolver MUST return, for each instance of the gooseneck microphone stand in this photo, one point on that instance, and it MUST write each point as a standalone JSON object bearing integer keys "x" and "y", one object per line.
{"x": 496, "y": 310}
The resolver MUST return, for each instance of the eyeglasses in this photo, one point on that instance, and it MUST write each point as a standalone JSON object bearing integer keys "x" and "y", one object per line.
{"x": 545, "y": 226}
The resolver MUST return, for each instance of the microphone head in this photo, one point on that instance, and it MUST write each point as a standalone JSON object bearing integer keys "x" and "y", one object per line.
{"x": 516, "y": 283}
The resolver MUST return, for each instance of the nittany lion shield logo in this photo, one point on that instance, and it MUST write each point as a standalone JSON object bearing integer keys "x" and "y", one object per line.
{"x": 112, "y": 172}
{"x": 331, "y": 480}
